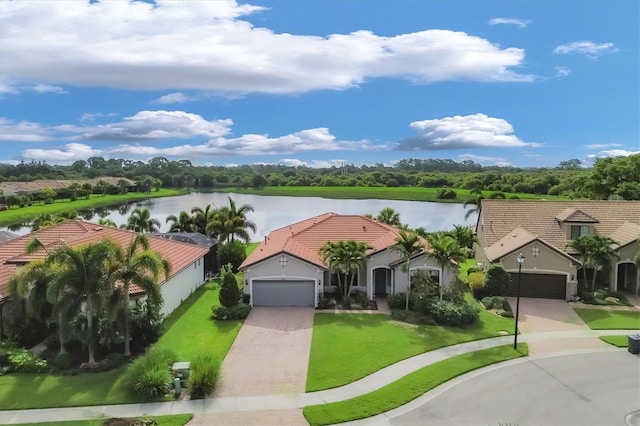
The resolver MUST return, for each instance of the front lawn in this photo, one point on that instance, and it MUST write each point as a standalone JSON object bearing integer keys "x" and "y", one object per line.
{"x": 348, "y": 347}
{"x": 618, "y": 341}
{"x": 189, "y": 331}
{"x": 409, "y": 387}
{"x": 602, "y": 319}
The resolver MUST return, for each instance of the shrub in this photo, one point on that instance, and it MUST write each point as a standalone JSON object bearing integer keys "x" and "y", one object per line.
{"x": 233, "y": 252}
{"x": 61, "y": 362}
{"x": 14, "y": 359}
{"x": 117, "y": 359}
{"x": 455, "y": 291}
{"x": 146, "y": 325}
{"x": 498, "y": 281}
{"x": 446, "y": 194}
{"x": 327, "y": 301}
{"x": 236, "y": 312}
{"x": 452, "y": 313}
{"x": 246, "y": 298}
{"x": 496, "y": 302}
{"x": 229, "y": 292}
{"x": 203, "y": 375}
{"x": 476, "y": 280}
{"x": 149, "y": 376}
{"x": 397, "y": 301}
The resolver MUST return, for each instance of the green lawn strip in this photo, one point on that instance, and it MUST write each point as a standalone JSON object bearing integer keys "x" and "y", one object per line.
{"x": 619, "y": 341}
{"x": 190, "y": 329}
{"x": 250, "y": 248}
{"x": 18, "y": 215}
{"x": 409, "y": 387}
{"x": 408, "y": 193}
{"x": 348, "y": 347}
{"x": 168, "y": 420}
{"x": 604, "y": 319}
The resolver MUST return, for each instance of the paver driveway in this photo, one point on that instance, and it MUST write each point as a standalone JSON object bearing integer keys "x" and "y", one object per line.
{"x": 547, "y": 315}
{"x": 270, "y": 354}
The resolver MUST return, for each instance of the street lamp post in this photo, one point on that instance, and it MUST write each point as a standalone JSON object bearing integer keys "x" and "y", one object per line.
{"x": 520, "y": 260}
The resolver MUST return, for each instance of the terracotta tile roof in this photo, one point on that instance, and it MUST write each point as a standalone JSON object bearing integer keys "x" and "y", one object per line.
{"x": 304, "y": 239}
{"x": 77, "y": 233}
{"x": 498, "y": 218}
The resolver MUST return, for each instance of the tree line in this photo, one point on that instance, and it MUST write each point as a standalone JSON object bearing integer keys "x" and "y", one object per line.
{"x": 609, "y": 177}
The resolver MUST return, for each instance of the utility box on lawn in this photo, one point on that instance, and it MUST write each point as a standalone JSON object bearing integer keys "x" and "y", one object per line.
{"x": 634, "y": 343}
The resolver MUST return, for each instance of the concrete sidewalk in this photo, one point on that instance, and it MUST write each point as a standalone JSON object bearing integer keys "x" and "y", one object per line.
{"x": 291, "y": 401}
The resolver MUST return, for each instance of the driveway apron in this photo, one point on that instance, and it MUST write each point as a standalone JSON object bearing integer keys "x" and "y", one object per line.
{"x": 545, "y": 315}
{"x": 270, "y": 354}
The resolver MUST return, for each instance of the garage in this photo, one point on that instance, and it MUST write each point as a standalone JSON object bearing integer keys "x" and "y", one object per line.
{"x": 283, "y": 293}
{"x": 543, "y": 286}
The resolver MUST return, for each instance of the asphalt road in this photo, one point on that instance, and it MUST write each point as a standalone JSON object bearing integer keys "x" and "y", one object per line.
{"x": 599, "y": 388}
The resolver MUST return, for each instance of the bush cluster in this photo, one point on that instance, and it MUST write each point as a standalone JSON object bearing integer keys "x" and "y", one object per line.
{"x": 229, "y": 292}
{"x": 397, "y": 301}
{"x": 149, "y": 376}
{"x": 446, "y": 194}
{"x": 146, "y": 324}
{"x": 203, "y": 375}
{"x": 331, "y": 300}
{"x": 447, "y": 312}
{"x": 236, "y": 312}
{"x": 232, "y": 252}
{"x": 497, "y": 282}
{"x": 19, "y": 360}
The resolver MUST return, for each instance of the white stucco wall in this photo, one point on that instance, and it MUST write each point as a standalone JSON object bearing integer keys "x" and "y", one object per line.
{"x": 423, "y": 262}
{"x": 181, "y": 285}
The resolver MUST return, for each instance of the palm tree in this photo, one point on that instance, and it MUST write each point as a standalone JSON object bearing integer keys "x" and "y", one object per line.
{"x": 140, "y": 266}
{"x": 107, "y": 222}
{"x": 475, "y": 202}
{"x": 344, "y": 258}
{"x": 82, "y": 277}
{"x": 201, "y": 218}
{"x": 231, "y": 222}
{"x": 464, "y": 236}
{"x": 141, "y": 221}
{"x": 181, "y": 223}
{"x": 443, "y": 249}
{"x": 407, "y": 243}
{"x": 45, "y": 220}
{"x": 389, "y": 216}
{"x": 602, "y": 252}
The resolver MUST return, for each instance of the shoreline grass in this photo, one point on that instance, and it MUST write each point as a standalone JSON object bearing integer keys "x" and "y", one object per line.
{"x": 409, "y": 387}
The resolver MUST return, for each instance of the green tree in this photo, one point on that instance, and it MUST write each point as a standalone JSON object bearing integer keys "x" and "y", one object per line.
{"x": 407, "y": 244}
{"x": 201, "y": 218}
{"x": 344, "y": 258}
{"x": 474, "y": 202}
{"x": 107, "y": 222}
{"x": 443, "y": 249}
{"x": 137, "y": 265}
{"x": 229, "y": 292}
{"x": 595, "y": 251}
{"x": 181, "y": 223}
{"x": 231, "y": 222}
{"x": 464, "y": 236}
{"x": 140, "y": 220}
{"x": 389, "y": 216}
{"x": 45, "y": 220}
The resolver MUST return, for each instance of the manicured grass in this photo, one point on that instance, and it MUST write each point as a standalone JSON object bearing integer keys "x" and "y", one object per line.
{"x": 251, "y": 247}
{"x": 409, "y": 387}
{"x": 619, "y": 341}
{"x": 168, "y": 420}
{"x": 20, "y": 391}
{"x": 18, "y": 215}
{"x": 190, "y": 329}
{"x": 347, "y": 347}
{"x": 382, "y": 193}
{"x": 602, "y": 319}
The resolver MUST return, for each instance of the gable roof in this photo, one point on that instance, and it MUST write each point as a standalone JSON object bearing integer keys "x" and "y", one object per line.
{"x": 544, "y": 218}
{"x": 627, "y": 233}
{"x": 514, "y": 240}
{"x": 77, "y": 233}
{"x": 304, "y": 239}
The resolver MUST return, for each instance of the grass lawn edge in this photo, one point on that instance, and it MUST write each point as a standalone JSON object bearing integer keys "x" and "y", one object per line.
{"x": 609, "y": 319}
{"x": 409, "y": 387}
{"x": 616, "y": 340}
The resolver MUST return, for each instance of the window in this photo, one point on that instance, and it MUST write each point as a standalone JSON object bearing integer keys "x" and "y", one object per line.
{"x": 578, "y": 231}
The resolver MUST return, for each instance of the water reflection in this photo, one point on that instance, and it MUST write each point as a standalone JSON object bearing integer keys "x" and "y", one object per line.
{"x": 272, "y": 212}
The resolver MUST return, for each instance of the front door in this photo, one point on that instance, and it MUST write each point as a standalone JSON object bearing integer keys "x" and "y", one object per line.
{"x": 380, "y": 281}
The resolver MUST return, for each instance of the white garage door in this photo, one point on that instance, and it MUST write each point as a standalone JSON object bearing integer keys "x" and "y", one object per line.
{"x": 283, "y": 293}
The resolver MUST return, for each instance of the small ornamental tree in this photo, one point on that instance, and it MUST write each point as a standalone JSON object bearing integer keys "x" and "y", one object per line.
{"x": 229, "y": 292}
{"x": 498, "y": 281}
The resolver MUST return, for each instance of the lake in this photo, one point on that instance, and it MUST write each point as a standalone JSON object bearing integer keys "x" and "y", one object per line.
{"x": 272, "y": 212}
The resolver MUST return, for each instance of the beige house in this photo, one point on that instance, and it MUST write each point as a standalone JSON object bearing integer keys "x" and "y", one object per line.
{"x": 541, "y": 230}
{"x": 286, "y": 269}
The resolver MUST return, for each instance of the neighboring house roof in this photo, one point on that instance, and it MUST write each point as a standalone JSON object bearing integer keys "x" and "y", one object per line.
{"x": 514, "y": 240}
{"x": 627, "y": 233}
{"x": 190, "y": 237}
{"x": 544, "y": 219}
{"x": 77, "y": 233}
{"x": 304, "y": 239}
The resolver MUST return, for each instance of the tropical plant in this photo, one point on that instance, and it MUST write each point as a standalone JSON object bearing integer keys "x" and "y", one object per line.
{"x": 141, "y": 221}
{"x": 139, "y": 266}
{"x": 464, "y": 236}
{"x": 474, "y": 203}
{"x": 344, "y": 259}
{"x": 407, "y": 243}
{"x": 203, "y": 375}
{"x": 231, "y": 222}
{"x": 201, "y": 217}
{"x": 149, "y": 376}
{"x": 107, "y": 222}
{"x": 45, "y": 220}
{"x": 389, "y": 216}
{"x": 595, "y": 251}
{"x": 181, "y": 223}
{"x": 229, "y": 292}
{"x": 443, "y": 249}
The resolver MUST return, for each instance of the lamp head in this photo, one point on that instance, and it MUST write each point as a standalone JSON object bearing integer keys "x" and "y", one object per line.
{"x": 520, "y": 259}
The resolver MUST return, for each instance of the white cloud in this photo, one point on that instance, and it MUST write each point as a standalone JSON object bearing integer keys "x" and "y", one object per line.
{"x": 23, "y": 131}
{"x": 603, "y": 145}
{"x": 173, "y": 98}
{"x": 485, "y": 160}
{"x": 611, "y": 153}
{"x": 92, "y": 116}
{"x": 208, "y": 45}
{"x": 522, "y": 23}
{"x": 588, "y": 48}
{"x": 461, "y": 132}
{"x": 70, "y": 153}
{"x": 47, "y": 88}
{"x": 314, "y": 164}
{"x": 562, "y": 72}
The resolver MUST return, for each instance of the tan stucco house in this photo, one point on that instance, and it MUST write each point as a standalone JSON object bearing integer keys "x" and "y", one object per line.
{"x": 540, "y": 230}
{"x": 286, "y": 269}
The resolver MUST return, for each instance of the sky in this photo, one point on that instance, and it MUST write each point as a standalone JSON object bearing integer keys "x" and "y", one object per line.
{"x": 320, "y": 82}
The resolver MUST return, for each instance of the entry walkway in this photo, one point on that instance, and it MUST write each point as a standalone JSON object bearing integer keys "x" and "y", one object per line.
{"x": 292, "y": 401}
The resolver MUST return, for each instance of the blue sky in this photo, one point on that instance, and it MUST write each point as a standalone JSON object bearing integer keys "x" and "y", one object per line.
{"x": 319, "y": 82}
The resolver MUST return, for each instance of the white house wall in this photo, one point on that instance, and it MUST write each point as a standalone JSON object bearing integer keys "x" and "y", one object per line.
{"x": 381, "y": 259}
{"x": 423, "y": 262}
{"x": 181, "y": 285}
